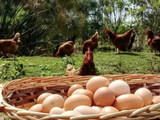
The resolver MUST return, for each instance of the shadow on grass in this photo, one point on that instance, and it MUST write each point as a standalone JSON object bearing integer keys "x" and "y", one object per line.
{"x": 126, "y": 53}
{"x": 8, "y": 59}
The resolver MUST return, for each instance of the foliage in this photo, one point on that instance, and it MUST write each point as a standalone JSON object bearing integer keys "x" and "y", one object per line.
{"x": 11, "y": 70}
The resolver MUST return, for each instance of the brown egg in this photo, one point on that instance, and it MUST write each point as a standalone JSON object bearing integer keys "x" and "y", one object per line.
{"x": 119, "y": 87}
{"x": 69, "y": 113}
{"x": 73, "y": 88}
{"x": 103, "y": 97}
{"x": 43, "y": 96}
{"x": 85, "y": 110}
{"x": 145, "y": 94}
{"x": 51, "y": 101}
{"x": 108, "y": 109}
{"x": 76, "y": 100}
{"x": 128, "y": 101}
{"x": 77, "y": 90}
{"x": 84, "y": 92}
{"x": 97, "y": 108}
{"x": 56, "y": 110}
{"x": 36, "y": 108}
{"x": 96, "y": 82}
{"x": 156, "y": 99}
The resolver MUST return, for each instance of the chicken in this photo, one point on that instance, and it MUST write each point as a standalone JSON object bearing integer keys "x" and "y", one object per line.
{"x": 92, "y": 43}
{"x": 87, "y": 67}
{"x": 9, "y": 46}
{"x": 65, "y": 49}
{"x": 69, "y": 39}
{"x": 121, "y": 41}
{"x": 130, "y": 45}
{"x": 153, "y": 40}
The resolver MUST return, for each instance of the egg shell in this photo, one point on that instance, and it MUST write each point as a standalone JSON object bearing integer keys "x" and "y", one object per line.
{"x": 56, "y": 110}
{"x": 85, "y": 110}
{"x": 119, "y": 87}
{"x": 96, "y": 82}
{"x": 73, "y": 88}
{"x": 76, "y": 100}
{"x": 97, "y": 108}
{"x": 69, "y": 113}
{"x": 156, "y": 99}
{"x": 103, "y": 96}
{"x": 51, "y": 101}
{"x": 43, "y": 96}
{"x": 84, "y": 92}
{"x": 36, "y": 108}
{"x": 128, "y": 101}
{"x": 108, "y": 109}
{"x": 145, "y": 94}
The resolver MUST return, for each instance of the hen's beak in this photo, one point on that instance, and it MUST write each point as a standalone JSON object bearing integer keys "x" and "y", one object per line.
{"x": 89, "y": 54}
{"x": 89, "y": 57}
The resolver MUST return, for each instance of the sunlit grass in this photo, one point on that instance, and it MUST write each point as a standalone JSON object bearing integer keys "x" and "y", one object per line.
{"x": 105, "y": 62}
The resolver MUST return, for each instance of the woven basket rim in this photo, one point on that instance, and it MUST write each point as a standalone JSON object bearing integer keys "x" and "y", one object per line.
{"x": 132, "y": 113}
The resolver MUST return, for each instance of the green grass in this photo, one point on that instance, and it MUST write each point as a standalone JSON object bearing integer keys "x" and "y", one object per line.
{"x": 105, "y": 62}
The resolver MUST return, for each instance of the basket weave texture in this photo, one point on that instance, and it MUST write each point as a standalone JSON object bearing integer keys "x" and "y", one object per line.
{"x": 22, "y": 93}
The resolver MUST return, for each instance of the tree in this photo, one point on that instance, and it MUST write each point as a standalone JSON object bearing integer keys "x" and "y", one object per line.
{"x": 93, "y": 18}
{"x": 145, "y": 15}
{"x": 115, "y": 13}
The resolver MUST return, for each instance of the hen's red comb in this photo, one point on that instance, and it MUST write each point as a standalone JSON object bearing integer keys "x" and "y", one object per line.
{"x": 107, "y": 31}
{"x": 148, "y": 30}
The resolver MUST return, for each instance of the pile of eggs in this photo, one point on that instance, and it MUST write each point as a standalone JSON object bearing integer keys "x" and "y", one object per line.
{"x": 98, "y": 97}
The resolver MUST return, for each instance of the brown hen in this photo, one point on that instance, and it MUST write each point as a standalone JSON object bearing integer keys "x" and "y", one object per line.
{"x": 92, "y": 43}
{"x": 65, "y": 49}
{"x": 121, "y": 41}
{"x": 87, "y": 67}
{"x": 153, "y": 40}
{"x": 9, "y": 46}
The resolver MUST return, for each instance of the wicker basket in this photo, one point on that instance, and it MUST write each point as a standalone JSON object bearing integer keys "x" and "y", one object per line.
{"x": 22, "y": 93}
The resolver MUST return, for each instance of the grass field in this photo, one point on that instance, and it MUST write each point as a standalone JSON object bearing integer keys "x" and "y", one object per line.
{"x": 105, "y": 62}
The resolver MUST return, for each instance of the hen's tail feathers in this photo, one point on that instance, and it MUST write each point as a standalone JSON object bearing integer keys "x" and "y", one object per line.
{"x": 131, "y": 43}
{"x": 73, "y": 38}
{"x": 17, "y": 37}
{"x": 56, "y": 49}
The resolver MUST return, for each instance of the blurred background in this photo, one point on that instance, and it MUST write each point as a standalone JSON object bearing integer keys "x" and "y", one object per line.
{"x": 45, "y": 23}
